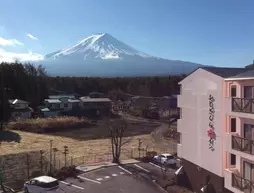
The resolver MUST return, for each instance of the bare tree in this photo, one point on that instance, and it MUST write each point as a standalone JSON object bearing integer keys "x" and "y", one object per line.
{"x": 116, "y": 132}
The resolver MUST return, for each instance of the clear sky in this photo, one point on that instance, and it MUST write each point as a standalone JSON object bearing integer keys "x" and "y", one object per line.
{"x": 211, "y": 32}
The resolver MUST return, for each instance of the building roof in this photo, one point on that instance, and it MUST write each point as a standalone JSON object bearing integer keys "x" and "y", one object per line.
{"x": 45, "y": 110}
{"x": 28, "y": 109}
{"x": 73, "y": 100}
{"x": 61, "y": 96}
{"x": 225, "y": 72}
{"x": 247, "y": 74}
{"x": 45, "y": 179}
{"x": 17, "y": 101}
{"x": 87, "y": 99}
{"x": 52, "y": 100}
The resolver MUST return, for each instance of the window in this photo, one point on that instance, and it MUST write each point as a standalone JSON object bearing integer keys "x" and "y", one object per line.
{"x": 49, "y": 184}
{"x": 248, "y": 169}
{"x": 233, "y": 124}
{"x": 248, "y": 131}
{"x": 65, "y": 105}
{"x": 248, "y": 92}
{"x": 170, "y": 157}
{"x": 233, "y": 91}
{"x": 232, "y": 159}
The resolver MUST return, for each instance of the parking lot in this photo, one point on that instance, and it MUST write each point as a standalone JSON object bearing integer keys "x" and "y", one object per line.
{"x": 133, "y": 178}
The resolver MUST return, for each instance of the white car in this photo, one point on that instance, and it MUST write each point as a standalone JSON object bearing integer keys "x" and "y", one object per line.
{"x": 165, "y": 158}
{"x": 41, "y": 184}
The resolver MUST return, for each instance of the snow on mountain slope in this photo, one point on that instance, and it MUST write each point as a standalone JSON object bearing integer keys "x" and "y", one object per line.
{"x": 103, "y": 55}
{"x": 97, "y": 46}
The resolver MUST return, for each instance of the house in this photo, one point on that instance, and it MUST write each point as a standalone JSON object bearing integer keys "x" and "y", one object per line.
{"x": 96, "y": 106}
{"x": 59, "y": 104}
{"x": 20, "y": 109}
{"x": 216, "y": 129}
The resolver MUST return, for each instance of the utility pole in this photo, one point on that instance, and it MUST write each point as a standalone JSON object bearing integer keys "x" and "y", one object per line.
{"x": 54, "y": 157}
{"x": 50, "y": 156}
{"x": 41, "y": 152}
{"x": 66, "y": 151}
{"x": 139, "y": 147}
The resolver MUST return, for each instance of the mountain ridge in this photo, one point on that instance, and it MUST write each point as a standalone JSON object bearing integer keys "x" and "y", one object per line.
{"x": 103, "y": 55}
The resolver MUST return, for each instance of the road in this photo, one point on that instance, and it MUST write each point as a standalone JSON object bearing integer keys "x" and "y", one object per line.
{"x": 134, "y": 178}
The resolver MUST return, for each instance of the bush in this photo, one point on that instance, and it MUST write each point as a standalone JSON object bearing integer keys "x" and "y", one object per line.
{"x": 65, "y": 172}
{"x": 41, "y": 125}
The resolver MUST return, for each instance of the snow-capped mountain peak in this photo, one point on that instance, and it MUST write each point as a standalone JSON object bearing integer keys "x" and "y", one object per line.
{"x": 97, "y": 46}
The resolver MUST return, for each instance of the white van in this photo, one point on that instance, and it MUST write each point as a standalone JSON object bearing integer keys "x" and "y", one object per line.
{"x": 41, "y": 184}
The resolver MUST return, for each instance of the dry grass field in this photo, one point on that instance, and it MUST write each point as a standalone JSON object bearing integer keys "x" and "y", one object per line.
{"x": 81, "y": 142}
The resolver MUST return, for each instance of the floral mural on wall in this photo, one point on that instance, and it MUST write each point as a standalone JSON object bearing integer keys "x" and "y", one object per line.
{"x": 211, "y": 131}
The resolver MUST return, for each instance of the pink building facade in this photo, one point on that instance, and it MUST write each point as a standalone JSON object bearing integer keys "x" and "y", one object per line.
{"x": 216, "y": 129}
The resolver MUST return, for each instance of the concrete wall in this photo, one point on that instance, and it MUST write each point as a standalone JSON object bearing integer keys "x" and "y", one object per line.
{"x": 194, "y": 104}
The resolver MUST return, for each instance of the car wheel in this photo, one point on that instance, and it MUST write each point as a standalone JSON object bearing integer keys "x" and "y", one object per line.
{"x": 26, "y": 190}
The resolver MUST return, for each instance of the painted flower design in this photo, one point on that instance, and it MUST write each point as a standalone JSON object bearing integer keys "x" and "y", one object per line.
{"x": 211, "y": 133}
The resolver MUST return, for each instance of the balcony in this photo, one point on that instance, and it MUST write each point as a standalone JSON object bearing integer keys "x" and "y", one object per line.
{"x": 243, "y": 145}
{"x": 242, "y": 184}
{"x": 243, "y": 105}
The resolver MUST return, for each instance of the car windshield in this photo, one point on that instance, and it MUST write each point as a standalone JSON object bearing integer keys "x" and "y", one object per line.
{"x": 170, "y": 157}
{"x": 49, "y": 185}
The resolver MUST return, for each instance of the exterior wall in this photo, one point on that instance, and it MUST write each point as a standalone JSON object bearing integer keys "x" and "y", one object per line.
{"x": 239, "y": 94}
{"x": 55, "y": 105}
{"x": 239, "y": 87}
{"x": 20, "y": 106}
{"x": 194, "y": 104}
{"x": 20, "y": 115}
{"x": 197, "y": 182}
{"x": 228, "y": 181}
{"x": 51, "y": 114}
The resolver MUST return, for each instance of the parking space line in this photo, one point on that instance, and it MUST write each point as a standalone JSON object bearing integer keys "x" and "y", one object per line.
{"x": 114, "y": 174}
{"x": 156, "y": 165}
{"x": 107, "y": 177}
{"x": 141, "y": 168}
{"x": 99, "y": 179}
{"x": 121, "y": 173}
{"x": 72, "y": 185}
{"x": 125, "y": 170}
{"x": 83, "y": 178}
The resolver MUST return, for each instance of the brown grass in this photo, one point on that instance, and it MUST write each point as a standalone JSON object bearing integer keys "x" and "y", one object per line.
{"x": 41, "y": 125}
{"x": 81, "y": 142}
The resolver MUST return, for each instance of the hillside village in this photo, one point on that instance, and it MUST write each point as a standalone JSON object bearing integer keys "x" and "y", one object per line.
{"x": 92, "y": 106}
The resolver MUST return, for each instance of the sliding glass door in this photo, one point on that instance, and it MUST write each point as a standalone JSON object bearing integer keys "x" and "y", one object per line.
{"x": 248, "y": 176}
{"x": 248, "y": 145}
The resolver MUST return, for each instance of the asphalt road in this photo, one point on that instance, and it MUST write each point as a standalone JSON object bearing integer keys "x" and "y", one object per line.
{"x": 134, "y": 178}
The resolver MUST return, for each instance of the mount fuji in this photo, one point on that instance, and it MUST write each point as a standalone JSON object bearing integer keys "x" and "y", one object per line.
{"x": 103, "y": 55}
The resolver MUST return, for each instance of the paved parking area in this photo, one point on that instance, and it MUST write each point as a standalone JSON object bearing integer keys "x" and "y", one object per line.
{"x": 127, "y": 178}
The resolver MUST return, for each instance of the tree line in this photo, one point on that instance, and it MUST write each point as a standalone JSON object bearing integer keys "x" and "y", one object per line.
{"x": 31, "y": 83}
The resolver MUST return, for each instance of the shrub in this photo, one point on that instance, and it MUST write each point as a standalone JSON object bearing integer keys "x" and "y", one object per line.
{"x": 65, "y": 172}
{"x": 41, "y": 125}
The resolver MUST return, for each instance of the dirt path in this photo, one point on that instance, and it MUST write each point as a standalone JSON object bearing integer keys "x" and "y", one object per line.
{"x": 158, "y": 134}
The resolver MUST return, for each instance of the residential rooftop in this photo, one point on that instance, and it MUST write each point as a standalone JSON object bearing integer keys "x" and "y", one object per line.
{"x": 61, "y": 96}
{"x": 17, "y": 101}
{"x": 52, "y": 100}
{"x": 225, "y": 72}
{"x": 88, "y": 99}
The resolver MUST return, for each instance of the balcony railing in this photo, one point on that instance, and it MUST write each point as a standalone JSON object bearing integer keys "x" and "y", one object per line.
{"x": 243, "y": 105}
{"x": 242, "y": 184}
{"x": 243, "y": 145}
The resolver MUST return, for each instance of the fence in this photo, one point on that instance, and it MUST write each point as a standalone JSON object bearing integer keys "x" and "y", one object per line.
{"x": 18, "y": 168}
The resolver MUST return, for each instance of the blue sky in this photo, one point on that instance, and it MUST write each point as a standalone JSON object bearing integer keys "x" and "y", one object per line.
{"x": 211, "y": 32}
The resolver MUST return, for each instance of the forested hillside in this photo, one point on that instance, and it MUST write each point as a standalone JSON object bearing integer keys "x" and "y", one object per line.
{"x": 27, "y": 82}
